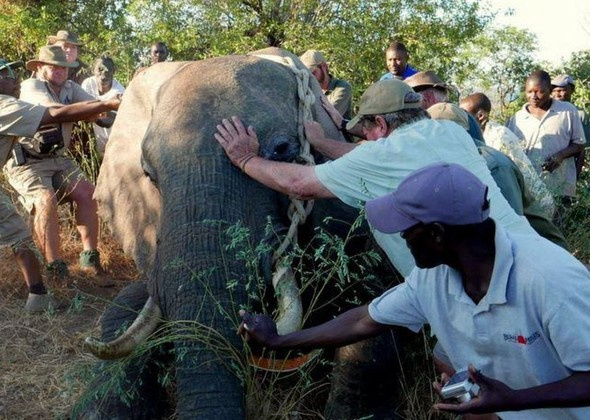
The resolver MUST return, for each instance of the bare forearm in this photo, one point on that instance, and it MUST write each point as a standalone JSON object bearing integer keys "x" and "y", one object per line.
{"x": 77, "y": 112}
{"x": 572, "y": 150}
{"x": 572, "y": 391}
{"x": 333, "y": 149}
{"x": 288, "y": 178}
{"x": 350, "y": 327}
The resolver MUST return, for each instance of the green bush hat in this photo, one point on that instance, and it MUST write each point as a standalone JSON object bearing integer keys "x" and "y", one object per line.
{"x": 50, "y": 54}
{"x": 66, "y": 36}
{"x": 312, "y": 59}
{"x": 384, "y": 97}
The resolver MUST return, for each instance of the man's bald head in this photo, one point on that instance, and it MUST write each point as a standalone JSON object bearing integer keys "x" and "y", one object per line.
{"x": 541, "y": 78}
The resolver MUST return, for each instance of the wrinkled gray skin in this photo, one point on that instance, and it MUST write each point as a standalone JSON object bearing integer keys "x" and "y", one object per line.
{"x": 164, "y": 179}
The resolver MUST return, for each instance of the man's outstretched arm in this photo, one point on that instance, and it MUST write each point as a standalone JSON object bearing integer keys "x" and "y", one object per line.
{"x": 352, "y": 326}
{"x": 241, "y": 146}
{"x": 79, "y": 111}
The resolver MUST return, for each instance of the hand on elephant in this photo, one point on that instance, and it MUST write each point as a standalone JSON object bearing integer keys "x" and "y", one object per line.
{"x": 260, "y": 328}
{"x": 240, "y": 144}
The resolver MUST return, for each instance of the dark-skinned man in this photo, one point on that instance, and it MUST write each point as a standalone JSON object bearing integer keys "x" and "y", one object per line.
{"x": 22, "y": 119}
{"x": 551, "y": 134}
{"x": 496, "y": 301}
{"x": 396, "y": 59}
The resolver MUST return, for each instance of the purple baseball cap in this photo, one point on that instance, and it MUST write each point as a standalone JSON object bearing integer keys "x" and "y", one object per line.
{"x": 442, "y": 192}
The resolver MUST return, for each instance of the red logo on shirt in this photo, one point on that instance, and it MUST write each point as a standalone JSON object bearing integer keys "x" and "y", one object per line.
{"x": 519, "y": 338}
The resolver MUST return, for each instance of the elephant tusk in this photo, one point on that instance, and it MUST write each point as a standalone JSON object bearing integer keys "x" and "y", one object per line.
{"x": 289, "y": 301}
{"x": 144, "y": 325}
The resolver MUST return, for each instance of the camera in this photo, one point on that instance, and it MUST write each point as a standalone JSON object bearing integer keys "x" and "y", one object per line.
{"x": 460, "y": 388}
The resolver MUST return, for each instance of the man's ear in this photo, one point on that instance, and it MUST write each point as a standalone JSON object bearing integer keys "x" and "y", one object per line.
{"x": 382, "y": 124}
{"x": 437, "y": 232}
{"x": 481, "y": 116}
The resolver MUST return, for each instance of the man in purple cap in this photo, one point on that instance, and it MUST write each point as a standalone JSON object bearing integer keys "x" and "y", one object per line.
{"x": 495, "y": 300}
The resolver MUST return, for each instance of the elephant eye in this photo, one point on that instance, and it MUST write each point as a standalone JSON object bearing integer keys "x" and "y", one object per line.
{"x": 148, "y": 172}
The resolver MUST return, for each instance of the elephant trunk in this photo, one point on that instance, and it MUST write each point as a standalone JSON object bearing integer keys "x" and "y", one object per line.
{"x": 143, "y": 326}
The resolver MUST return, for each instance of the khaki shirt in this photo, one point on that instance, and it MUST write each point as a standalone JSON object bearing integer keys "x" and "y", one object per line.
{"x": 17, "y": 119}
{"x": 37, "y": 91}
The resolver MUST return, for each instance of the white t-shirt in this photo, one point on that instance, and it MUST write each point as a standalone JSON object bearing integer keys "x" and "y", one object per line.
{"x": 531, "y": 328}
{"x": 376, "y": 168}
{"x": 540, "y": 139}
{"x": 91, "y": 86}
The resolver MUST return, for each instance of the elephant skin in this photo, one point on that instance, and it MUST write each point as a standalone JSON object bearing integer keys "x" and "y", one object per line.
{"x": 168, "y": 192}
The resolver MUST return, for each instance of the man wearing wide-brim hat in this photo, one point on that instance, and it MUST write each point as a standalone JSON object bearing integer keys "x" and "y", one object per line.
{"x": 48, "y": 175}
{"x": 18, "y": 119}
{"x": 70, "y": 43}
{"x": 430, "y": 86}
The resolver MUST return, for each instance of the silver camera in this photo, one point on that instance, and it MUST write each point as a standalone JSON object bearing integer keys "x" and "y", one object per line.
{"x": 460, "y": 388}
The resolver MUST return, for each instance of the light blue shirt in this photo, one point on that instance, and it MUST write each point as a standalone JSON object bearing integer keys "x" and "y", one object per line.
{"x": 531, "y": 328}
{"x": 376, "y": 168}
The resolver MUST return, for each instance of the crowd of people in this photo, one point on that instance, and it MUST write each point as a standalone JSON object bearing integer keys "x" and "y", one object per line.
{"x": 473, "y": 224}
{"x": 36, "y": 122}
{"x": 468, "y": 210}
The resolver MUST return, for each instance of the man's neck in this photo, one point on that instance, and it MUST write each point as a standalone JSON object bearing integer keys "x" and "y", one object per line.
{"x": 55, "y": 88}
{"x": 326, "y": 83}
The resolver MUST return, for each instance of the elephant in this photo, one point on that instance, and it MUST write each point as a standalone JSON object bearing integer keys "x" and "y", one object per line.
{"x": 167, "y": 191}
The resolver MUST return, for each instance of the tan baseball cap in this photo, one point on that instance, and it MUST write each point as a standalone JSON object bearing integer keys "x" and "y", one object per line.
{"x": 449, "y": 111}
{"x": 425, "y": 79}
{"x": 312, "y": 59}
{"x": 50, "y": 54}
{"x": 384, "y": 97}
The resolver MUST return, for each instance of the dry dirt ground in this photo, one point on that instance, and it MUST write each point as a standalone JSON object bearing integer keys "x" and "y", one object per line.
{"x": 42, "y": 365}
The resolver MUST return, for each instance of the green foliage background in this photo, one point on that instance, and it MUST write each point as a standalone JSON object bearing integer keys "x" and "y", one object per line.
{"x": 455, "y": 38}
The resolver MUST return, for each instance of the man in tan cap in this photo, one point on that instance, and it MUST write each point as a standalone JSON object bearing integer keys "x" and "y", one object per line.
{"x": 18, "y": 118}
{"x": 47, "y": 177}
{"x": 338, "y": 91}
{"x": 390, "y": 112}
{"x": 70, "y": 43}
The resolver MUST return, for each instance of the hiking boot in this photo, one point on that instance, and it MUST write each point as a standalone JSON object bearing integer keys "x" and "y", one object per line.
{"x": 39, "y": 303}
{"x": 90, "y": 262}
{"x": 57, "y": 270}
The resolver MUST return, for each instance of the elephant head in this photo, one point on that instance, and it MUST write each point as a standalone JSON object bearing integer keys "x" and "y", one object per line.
{"x": 168, "y": 192}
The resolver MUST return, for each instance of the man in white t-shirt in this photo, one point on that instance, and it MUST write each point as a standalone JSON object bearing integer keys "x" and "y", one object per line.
{"x": 405, "y": 139}
{"x": 516, "y": 307}
{"x": 103, "y": 85}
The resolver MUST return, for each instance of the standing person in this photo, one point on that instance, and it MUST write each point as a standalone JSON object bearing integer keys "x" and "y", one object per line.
{"x": 48, "y": 176}
{"x": 158, "y": 54}
{"x": 501, "y": 138}
{"x": 22, "y": 119}
{"x": 562, "y": 88}
{"x": 495, "y": 300}
{"x": 396, "y": 59}
{"x": 70, "y": 43}
{"x": 338, "y": 92}
{"x": 551, "y": 134}
{"x": 103, "y": 85}
{"x": 407, "y": 139}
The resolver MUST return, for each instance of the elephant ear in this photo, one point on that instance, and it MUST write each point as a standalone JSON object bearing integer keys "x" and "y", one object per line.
{"x": 127, "y": 199}
{"x": 319, "y": 113}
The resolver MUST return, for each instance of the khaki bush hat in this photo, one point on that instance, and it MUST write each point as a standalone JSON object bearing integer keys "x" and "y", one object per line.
{"x": 425, "y": 79}
{"x": 66, "y": 36}
{"x": 384, "y": 97}
{"x": 50, "y": 54}
{"x": 449, "y": 111}
{"x": 312, "y": 59}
